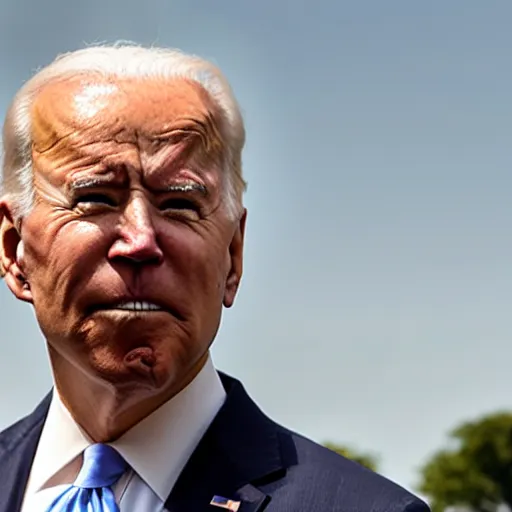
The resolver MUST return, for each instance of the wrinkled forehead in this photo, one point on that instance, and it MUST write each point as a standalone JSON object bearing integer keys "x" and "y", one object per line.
{"x": 130, "y": 108}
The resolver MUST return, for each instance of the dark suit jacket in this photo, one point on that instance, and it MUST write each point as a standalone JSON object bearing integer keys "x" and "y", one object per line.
{"x": 243, "y": 456}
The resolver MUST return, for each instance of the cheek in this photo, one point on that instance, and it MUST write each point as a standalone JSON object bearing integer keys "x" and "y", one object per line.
{"x": 63, "y": 258}
{"x": 199, "y": 262}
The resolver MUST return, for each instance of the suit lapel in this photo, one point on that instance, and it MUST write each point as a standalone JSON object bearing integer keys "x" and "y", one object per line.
{"x": 252, "y": 499}
{"x": 240, "y": 448}
{"x": 17, "y": 449}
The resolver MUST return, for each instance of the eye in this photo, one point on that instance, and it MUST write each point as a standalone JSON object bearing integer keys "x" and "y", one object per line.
{"x": 178, "y": 204}
{"x": 96, "y": 198}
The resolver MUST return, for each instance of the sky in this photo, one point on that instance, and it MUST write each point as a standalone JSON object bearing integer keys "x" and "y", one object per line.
{"x": 375, "y": 304}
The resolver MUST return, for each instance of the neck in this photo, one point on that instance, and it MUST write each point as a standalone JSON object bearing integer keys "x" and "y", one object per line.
{"x": 106, "y": 411}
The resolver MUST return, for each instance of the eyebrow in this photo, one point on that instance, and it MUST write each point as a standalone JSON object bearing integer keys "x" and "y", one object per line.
{"x": 84, "y": 183}
{"x": 187, "y": 187}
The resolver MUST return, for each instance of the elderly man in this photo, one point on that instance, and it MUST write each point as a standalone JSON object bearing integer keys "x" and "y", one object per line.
{"x": 123, "y": 225}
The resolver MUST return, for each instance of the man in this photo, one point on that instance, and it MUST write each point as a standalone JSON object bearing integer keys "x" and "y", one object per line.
{"x": 123, "y": 225}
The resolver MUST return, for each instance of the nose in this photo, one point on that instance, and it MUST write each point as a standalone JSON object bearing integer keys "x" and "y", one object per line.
{"x": 137, "y": 240}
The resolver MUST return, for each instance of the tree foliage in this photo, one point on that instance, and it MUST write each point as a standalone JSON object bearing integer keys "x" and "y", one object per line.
{"x": 477, "y": 472}
{"x": 367, "y": 460}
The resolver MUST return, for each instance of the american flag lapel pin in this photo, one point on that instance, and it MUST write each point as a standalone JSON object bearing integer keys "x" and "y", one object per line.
{"x": 221, "y": 502}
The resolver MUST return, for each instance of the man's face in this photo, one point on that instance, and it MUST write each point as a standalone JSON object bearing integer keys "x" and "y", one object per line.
{"x": 129, "y": 251}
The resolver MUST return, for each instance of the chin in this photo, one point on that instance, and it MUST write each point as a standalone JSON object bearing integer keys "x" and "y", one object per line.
{"x": 152, "y": 364}
{"x": 132, "y": 352}
{"x": 158, "y": 368}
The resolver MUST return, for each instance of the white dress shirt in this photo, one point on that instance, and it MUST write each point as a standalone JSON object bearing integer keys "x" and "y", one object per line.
{"x": 156, "y": 449}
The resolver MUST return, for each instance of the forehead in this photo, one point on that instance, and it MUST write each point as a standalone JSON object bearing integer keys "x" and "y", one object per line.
{"x": 94, "y": 107}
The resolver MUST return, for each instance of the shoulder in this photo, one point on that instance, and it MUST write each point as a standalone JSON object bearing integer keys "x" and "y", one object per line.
{"x": 16, "y": 434}
{"x": 342, "y": 484}
{"x": 296, "y": 473}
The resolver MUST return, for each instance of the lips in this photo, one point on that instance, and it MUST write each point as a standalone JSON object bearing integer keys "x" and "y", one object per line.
{"x": 138, "y": 305}
{"x": 134, "y": 305}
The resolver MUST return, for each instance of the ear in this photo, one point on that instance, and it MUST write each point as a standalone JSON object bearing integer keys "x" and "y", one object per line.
{"x": 11, "y": 256}
{"x": 236, "y": 256}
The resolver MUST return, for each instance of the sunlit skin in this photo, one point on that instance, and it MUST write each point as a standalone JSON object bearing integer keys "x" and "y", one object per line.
{"x": 129, "y": 207}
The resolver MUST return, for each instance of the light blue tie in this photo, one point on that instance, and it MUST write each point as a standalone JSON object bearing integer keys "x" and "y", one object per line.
{"x": 91, "y": 491}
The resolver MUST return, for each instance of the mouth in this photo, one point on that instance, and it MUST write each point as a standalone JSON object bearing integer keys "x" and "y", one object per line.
{"x": 136, "y": 305}
{"x": 130, "y": 306}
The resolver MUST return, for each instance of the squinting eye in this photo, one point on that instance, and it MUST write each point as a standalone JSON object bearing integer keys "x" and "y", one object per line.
{"x": 95, "y": 198}
{"x": 178, "y": 204}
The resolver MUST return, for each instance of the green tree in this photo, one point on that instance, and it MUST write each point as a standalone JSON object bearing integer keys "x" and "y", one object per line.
{"x": 365, "y": 459}
{"x": 476, "y": 472}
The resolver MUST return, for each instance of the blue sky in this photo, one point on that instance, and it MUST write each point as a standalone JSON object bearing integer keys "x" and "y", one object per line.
{"x": 375, "y": 306}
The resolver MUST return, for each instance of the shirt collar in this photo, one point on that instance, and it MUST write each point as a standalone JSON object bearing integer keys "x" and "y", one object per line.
{"x": 157, "y": 448}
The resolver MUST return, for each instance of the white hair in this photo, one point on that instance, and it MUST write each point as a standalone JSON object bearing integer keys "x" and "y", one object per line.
{"x": 119, "y": 61}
